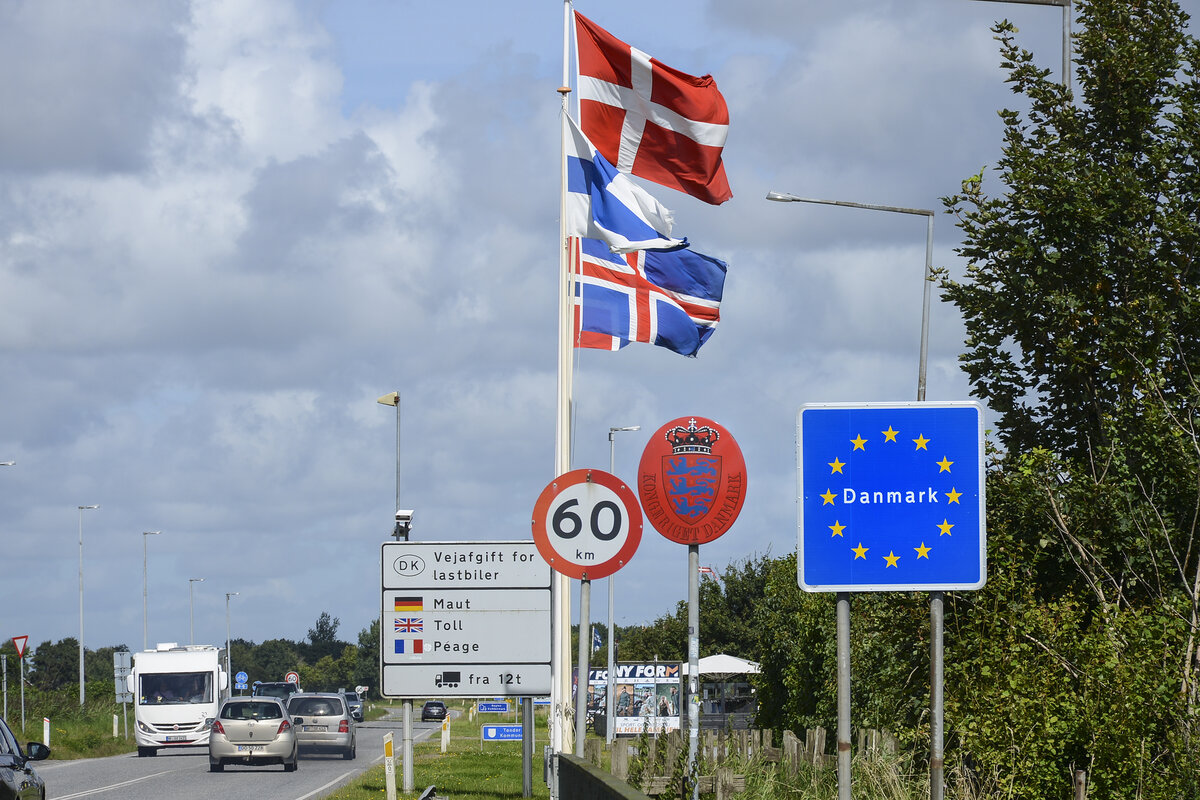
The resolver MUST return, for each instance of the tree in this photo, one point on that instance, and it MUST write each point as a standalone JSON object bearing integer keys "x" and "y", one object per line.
{"x": 1081, "y": 308}
{"x": 322, "y": 639}
{"x": 1081, "y": 284}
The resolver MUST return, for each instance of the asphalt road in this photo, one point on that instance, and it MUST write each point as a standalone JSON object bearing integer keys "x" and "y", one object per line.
{"x": 183, "y": 774}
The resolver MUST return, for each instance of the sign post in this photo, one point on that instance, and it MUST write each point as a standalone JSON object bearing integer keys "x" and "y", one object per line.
{"x": 463, "y": 619}
{"x": 692, "y": 484}
{"x": 891, "y": 499}
{"x": 122, "y": 666}
{"x": 586, "y": 524}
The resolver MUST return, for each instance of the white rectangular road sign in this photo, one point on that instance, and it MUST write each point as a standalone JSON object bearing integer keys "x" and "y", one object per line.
{"x": 457, "y": 626}
{"x": 464, "y": 565}
{"x": 475, "y": 680}
{"x": 465, "y": 619}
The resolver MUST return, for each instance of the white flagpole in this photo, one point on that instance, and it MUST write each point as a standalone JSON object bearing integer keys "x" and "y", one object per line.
{"x": 561, "y": 733}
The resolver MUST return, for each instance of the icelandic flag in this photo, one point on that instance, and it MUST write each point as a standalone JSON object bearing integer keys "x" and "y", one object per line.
{"x": 648, "y": 119}
{"x": 670, "y": 299}
{"x": 605, "y": 204}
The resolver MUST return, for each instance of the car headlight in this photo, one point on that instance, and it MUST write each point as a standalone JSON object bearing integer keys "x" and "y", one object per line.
{"x": 143, "y": 727}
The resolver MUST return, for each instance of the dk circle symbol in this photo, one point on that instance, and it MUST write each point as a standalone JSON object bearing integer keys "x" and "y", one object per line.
{"x": 587, "y": 524}
{"x": 409, "y": 566}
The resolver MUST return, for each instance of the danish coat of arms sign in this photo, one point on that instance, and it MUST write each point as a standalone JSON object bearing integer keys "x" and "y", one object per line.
{"x": 692, "y": 480}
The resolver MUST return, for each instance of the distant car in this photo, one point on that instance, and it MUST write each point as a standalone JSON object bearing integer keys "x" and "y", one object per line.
{"x": 253, "y": 731}
{"x": 323, "y": 722}
{"x": 434, "y": 710}
{"x": 18, "y": 779}
{"x": 355, "y": 703}
{"x": 281, "y": 689}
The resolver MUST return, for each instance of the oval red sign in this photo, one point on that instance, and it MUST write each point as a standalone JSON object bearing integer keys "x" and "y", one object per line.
{"x": 692, "y": 480}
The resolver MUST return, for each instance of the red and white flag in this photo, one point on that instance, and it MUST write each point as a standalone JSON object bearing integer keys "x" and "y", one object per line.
{"x": 648, "y": 119}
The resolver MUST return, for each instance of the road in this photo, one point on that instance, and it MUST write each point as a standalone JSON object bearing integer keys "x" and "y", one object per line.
{"x": 184, "y": 775}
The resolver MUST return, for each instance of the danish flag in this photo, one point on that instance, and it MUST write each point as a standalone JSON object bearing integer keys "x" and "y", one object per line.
{"x": 648, "y": 119}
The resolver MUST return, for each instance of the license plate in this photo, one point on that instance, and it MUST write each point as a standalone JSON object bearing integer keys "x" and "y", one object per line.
{"x": 248, "y": 748}
{"x": 315, "y": 728}
{"x": 176, "y": 738}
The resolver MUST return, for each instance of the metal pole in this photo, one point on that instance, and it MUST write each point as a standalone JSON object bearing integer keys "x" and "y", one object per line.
{"x": 407, "y": 764}
{"x": 21, "y": 677}
{"x": 145, "y": 584}
{"x": 611, "y": 683}
{"x": 192, "y": 609}
{"x": 560, "y": 587}
{"x": 526, "y": 747}
{"x": 228, "y": 649}
{"x": 585, "y": 646}
{"x": 1066, "y": 35}
{"x": 4, "y": 661}
{"x": 936, "y": 704}
{"x": 82, "y": 691}
{"x": 693, "y": 645}
{"x": 843, "y": 695}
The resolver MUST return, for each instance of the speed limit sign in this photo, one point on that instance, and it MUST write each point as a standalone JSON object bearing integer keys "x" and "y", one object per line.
{"x": 587, "y": 524}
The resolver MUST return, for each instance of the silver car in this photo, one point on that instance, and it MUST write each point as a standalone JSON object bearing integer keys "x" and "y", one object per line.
{"x": 323, "y": 722}
{"x": 253, "y": 731}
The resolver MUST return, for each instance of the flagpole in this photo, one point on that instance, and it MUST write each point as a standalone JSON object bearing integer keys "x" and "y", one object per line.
{"x": 560, "y": 657}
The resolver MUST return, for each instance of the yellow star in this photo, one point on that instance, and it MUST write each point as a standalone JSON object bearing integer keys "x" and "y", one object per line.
{"x": 922, "y": 551}
{"x": 837, "y": 528}
{"x": 891, "y": 558}
{"x": 944, "y": 464}
{"x": 889, "y": 435}
{"x": 860, "y": 551}
{"x": 953, "y": 495}
{"x": 827, "y": 497}
{"x": 921, "y": 442}
{"x": 837, "y": 465}
{"x": 945, "y": 528}
{"x": 859, "y": 443}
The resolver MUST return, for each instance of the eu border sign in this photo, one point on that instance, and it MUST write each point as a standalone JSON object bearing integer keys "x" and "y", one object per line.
{"x": 891, "y": 497}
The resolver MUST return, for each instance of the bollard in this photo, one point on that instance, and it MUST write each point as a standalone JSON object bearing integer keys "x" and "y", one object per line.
{"x": 46, "y": 731}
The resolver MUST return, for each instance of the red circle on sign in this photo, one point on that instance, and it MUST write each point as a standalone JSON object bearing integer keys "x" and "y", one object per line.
{"x": 587, "y": 524}
{"x": 692, "y": 480}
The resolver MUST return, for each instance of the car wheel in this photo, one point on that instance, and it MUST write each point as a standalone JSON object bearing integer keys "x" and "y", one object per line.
{"x": 294, "y": 763}
{"x": 349, "y": 754}
{"x": 216, "y": 766}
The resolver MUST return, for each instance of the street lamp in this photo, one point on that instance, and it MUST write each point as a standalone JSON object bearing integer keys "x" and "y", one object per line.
{"x": 784, "y": 197}
{"x": 82, "y": 692}
{"x": 145, "y": 638}
{"x": 228, "y": 651}
{"x": 1066, "y": 31}
{"x": 403, "y": 517}
{"x": 611, "y": 688}
{"x": 192, "y": 609}
{"x": 936, "y": 617}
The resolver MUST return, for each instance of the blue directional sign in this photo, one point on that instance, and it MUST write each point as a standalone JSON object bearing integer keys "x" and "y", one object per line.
{"x": 891, "y": 497}
{"x": 493, "y": 707}
{"x": 500, "y": 733}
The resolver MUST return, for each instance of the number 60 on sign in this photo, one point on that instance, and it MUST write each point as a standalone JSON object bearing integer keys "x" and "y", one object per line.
{"x": 587, "y": 524}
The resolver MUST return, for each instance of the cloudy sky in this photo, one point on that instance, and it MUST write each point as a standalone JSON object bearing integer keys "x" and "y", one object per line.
{"x": 226, "y": 228}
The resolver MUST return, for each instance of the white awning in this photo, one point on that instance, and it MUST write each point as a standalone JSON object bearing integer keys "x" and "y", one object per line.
{"x": 724, "y": 665}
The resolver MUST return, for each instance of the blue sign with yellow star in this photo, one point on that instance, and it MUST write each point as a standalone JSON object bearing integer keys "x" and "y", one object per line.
{"x": 891, "y": 497}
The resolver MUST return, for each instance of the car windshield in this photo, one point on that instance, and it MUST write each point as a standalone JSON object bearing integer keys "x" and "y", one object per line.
{"x": 314, "y": 707}
{"x": 171, "y": 688}
{"x": 252, "y": 710}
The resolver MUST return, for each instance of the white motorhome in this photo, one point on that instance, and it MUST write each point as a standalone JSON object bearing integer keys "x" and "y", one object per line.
{"x": 177, "y": 691}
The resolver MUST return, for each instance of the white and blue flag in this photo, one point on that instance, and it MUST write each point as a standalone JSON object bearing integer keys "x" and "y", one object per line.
{"x": 605, "y": 204}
